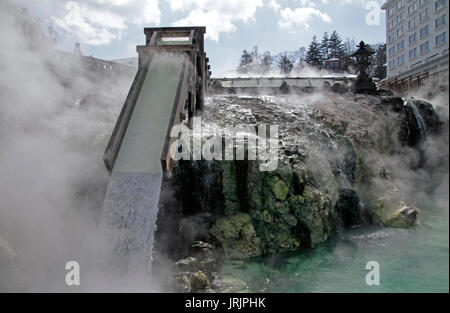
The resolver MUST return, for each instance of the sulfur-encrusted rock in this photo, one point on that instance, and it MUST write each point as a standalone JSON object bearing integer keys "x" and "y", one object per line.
{"x": 403, "y": 217}
{"x": 394, "y": 214}
{"x": 279, "y": 188}
{"x": 237, "y": 236}
{"x": 315, "y": 212}
{"x": 335, "y": 155}
{"x": 199, "y": 282}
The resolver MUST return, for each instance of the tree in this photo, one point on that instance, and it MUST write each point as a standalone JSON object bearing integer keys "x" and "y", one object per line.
{"x": 266, "y": 62}
{"x": 301, "y": 54}
{"x": 255, "y": 53}
{"x": 325, "y": 47}
{"x": 286, "y": 61}
{"x": 245, "y": 62}
{"x": 336, "y": 47}
{"x": 349, "y": 46}
{"x": 349, "y": 62}
{"x": 380, "y": 62}
{"x": 314, "y": 54}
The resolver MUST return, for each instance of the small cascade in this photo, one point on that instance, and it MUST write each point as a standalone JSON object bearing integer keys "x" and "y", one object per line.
{"x": 338, "y": 158}
{"x": 421, "y": 124}
{"x": 131, "y": 210}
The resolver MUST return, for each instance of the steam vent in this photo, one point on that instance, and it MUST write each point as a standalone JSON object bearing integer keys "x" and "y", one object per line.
{"x": 205, "y": 165}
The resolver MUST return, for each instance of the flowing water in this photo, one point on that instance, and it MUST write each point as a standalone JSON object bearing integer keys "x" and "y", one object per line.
{"x": 131, "y": 207}
{"x": 421, "y": 124}
{"x": 411, "y": 260}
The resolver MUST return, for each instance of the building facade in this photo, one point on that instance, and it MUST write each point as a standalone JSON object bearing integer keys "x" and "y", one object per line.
{"x": 416, "y": 45}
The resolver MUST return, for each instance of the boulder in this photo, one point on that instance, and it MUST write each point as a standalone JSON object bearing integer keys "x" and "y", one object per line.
{"x": 237, "y": 236}
{"x": 315, "y": 213}
{"x": 339, "y": 88}
{"x": 279, "y": 188}
{"x": 396, "y": 215}
{"x": 187, "y": 264}
{"x": 199, "y": 282}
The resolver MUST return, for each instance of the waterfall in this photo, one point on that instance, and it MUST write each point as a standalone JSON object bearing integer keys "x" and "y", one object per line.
{"x": 421, "y": 124}
{"x": 337, "y": 157}
{"x": 131, "y": 210}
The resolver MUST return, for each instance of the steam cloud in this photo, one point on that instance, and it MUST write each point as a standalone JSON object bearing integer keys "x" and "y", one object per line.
{"x": 55, "y": 120}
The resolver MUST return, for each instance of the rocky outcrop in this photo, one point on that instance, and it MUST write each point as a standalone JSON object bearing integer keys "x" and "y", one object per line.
{"x": 199, "y": 274}
{"x": 237, "y": 236}
{"x": 333, "y": 170}
{"x": 287, "y": 209}
{"x": 396, "y": 215}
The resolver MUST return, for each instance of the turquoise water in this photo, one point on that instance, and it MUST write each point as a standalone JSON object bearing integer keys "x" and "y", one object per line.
{"x": 411, "y": 260}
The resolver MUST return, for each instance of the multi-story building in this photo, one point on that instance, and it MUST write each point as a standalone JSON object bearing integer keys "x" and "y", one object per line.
{"x": 416, "y": 44}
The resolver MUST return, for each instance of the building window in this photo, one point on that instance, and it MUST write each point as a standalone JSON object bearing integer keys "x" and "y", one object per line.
{"x": 392, "y": 64}
{"x": 390, "y": 11}
{"x": 439, "y": 4}
{"x": 401, "y": 45}
{"x": 440, "y": 39}
{"x": 400, "y": 18}
{"x": 400, "y": 4}
{"x": 412, "y": 8}
{"x": 423, "y": 15}
{"x": 425, "y": 47}
{"x": 391, "y": 24}
{"x": 412, "y": 38}
{"x": 422, "y": 2}
{"x": 392, "y": 51}
{"x": 412, "y": 23}
{"x": 400, "y": 31}
{"x": 424, "y": 31}
{"x": 401, "y": 60}
{"x": 441, "y": 21}
{"x": 413, "y": 53}
{"x": 391, "y": 38}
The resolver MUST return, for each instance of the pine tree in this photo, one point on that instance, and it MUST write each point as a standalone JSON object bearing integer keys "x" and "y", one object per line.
{"x": 325, "y": 47}
{"x": 286, "y": 61}
{"x": 380, "y": 69}
{"x": 336, "y": 47}
{"x": 245, "y": 62}
{"x": 314, "y": 55}
{"x": 255, "y": 53}
{"x": 266, "y": 62}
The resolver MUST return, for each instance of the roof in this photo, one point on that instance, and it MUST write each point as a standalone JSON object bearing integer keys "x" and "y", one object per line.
{"x": 386, "y": 4}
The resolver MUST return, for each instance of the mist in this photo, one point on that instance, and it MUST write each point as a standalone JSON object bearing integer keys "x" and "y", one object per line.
{"x": 55, "y": 120}
{"x": 305, "y": 70}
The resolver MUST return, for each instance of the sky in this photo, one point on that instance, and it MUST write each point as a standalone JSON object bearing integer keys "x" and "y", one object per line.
{"x": 111, "y": 29}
